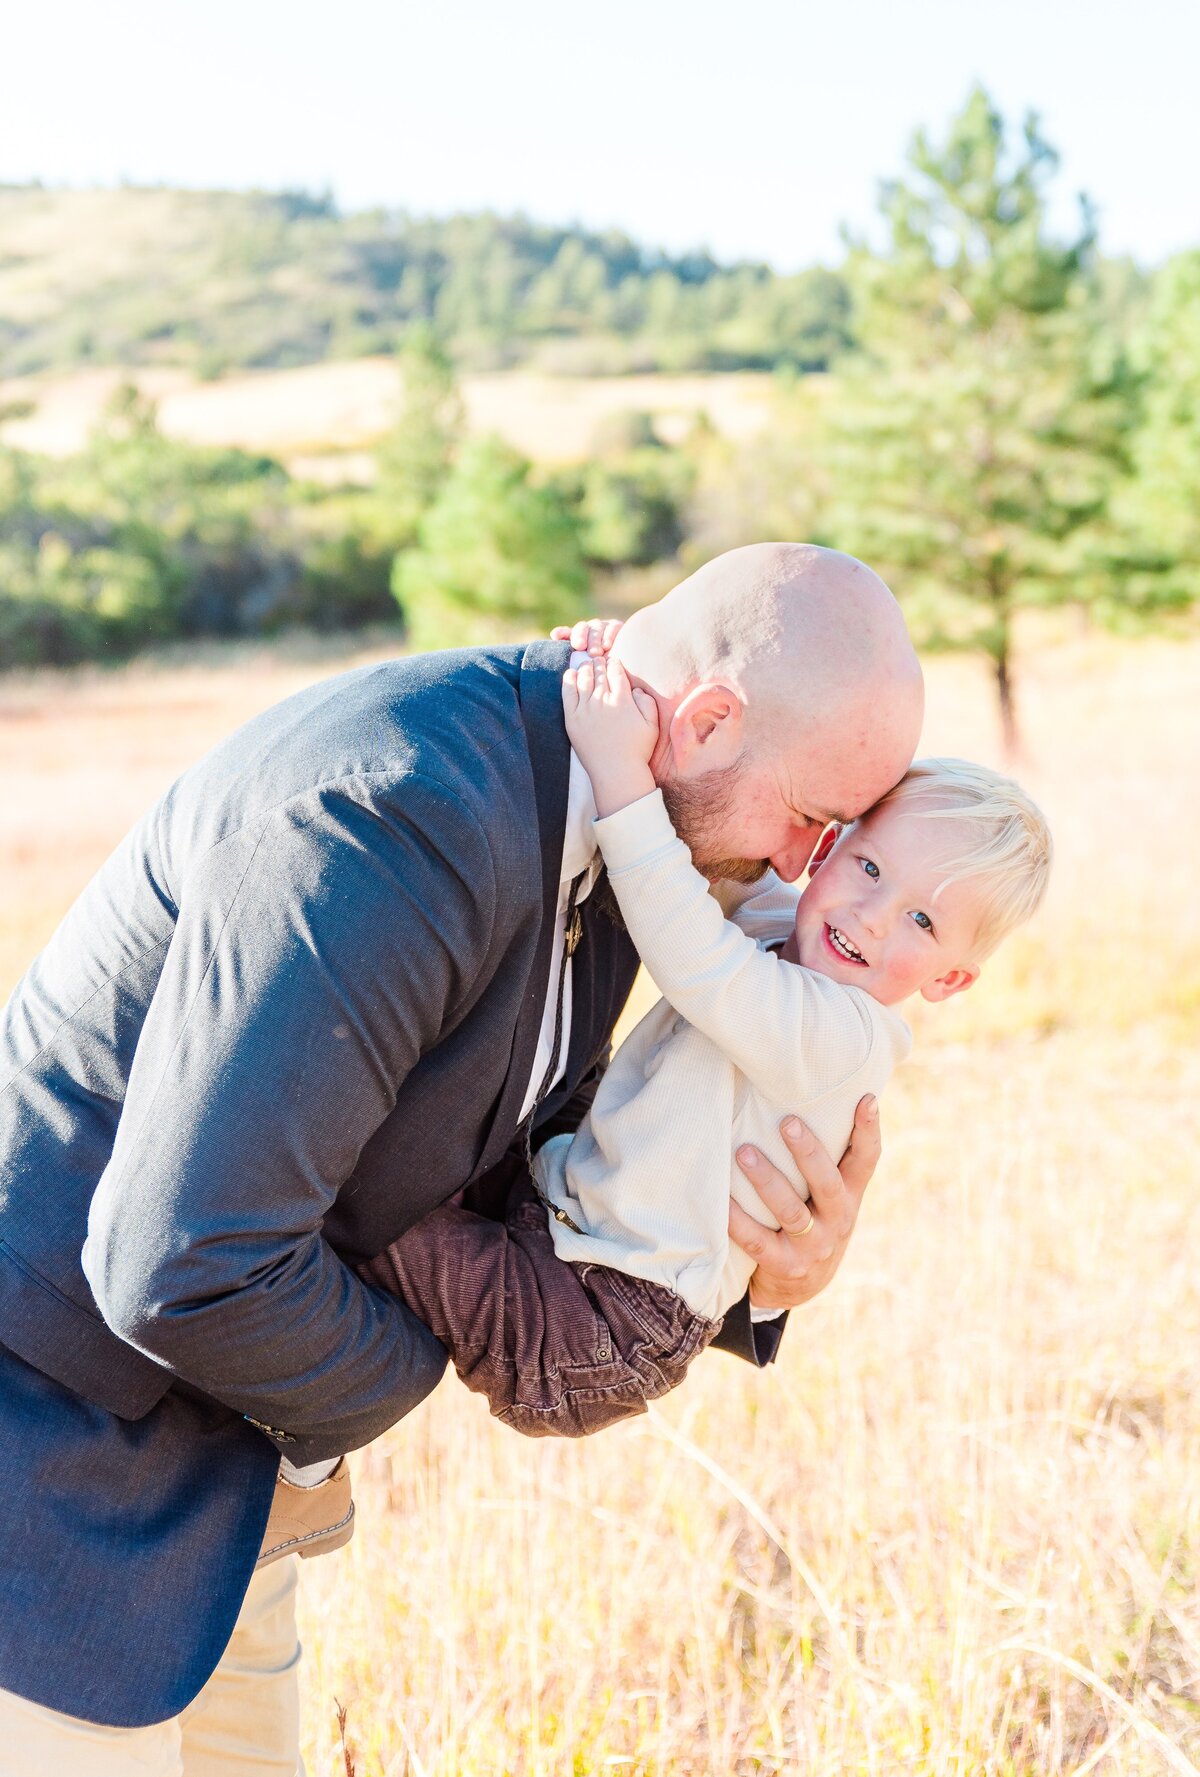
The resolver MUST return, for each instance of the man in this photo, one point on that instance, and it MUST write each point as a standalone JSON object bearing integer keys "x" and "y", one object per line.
{"x": 314, "y": 993}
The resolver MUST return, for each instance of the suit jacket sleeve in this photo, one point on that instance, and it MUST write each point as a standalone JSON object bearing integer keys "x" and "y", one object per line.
{"x": 756, "y": 1341}
{"x": 300, "y": 988}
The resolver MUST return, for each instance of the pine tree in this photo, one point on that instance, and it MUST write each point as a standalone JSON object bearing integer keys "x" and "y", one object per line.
{"x": 494, "y": 551}
{"x": 415, "y": 457}
{"x": 969, "y": 449}
{"x": 1161, "y": 504}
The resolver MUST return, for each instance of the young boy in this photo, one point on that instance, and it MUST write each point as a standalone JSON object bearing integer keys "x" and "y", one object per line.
{"x": 613, "y": 1266}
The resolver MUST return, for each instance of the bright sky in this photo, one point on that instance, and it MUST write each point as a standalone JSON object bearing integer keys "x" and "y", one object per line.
{"x": 753, "y": 127}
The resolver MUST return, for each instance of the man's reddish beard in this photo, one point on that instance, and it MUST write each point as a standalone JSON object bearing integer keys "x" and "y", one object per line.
{"x": 699, "y": 808}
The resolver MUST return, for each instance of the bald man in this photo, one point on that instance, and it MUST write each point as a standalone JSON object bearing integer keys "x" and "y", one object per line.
{"x": 349, "y": 960}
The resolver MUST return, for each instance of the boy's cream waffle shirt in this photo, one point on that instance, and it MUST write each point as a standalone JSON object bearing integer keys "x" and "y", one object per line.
{"x": 738, "y": 1041}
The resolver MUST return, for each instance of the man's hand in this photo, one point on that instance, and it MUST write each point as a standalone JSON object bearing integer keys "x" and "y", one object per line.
{"x": 591, "y": 635}
{"x": 795, "y": 1263}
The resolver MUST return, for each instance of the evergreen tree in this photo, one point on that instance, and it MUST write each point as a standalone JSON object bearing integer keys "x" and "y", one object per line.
{"x": 494, "y": 551}
{"x": 1162, "y": 502}
{"x": 970, "y": 449}
{"x": 414, "y": 458}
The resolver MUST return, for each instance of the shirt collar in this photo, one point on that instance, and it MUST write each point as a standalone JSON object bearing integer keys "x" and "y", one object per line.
{"x": 580, "y": 851}
{"x": 579, "y": 839}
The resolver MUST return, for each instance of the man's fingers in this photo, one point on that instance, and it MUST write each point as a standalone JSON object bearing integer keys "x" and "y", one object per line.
{"x": 745, "y": 1232}
{"x": 777, "y": 1193}
{"x": 862, "y": 1156}
{"x": 798, "y": 1261}
{"x": 818, "y": 1171}
{"x": 775, "y": 1250}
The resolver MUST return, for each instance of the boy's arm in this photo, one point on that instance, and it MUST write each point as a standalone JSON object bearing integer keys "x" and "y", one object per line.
{"x": 765, "y": 911}
{"x": 519, "y": 1323}
{"x": 794, "y": 1033}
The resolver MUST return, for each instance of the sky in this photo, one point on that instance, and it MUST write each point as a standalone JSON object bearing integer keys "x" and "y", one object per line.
{"x": 755, "y": 128}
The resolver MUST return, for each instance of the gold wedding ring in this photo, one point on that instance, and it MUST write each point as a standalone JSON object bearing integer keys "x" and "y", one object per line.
{"x": 801, "y": 1232}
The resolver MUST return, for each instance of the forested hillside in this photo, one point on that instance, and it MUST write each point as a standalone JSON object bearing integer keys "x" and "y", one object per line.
{"x": 217, "y": 280}
{"x": 1015, "y": 423}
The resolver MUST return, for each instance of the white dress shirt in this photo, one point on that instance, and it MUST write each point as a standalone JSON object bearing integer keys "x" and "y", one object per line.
{"x": 580, "y": 853}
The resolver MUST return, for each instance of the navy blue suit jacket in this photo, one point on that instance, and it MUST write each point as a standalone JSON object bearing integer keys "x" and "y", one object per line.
{"x": 295, "y": 1011}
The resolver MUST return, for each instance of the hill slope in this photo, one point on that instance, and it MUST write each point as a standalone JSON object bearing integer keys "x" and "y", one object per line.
{"x": 217, "y": 280}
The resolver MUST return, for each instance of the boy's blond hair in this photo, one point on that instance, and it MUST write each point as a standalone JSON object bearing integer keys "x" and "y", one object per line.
{"x": 1007, "y": 842}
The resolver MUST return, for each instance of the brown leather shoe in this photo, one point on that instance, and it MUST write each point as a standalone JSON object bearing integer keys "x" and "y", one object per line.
{"x": 309, "y": 1520}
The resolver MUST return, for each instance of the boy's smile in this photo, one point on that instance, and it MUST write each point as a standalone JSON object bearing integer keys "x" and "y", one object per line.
{"x": 879, "y": 914}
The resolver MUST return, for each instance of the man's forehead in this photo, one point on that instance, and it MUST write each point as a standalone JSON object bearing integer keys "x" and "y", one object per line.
{"x": 837, "y": 768}
{"x": 820, "y": 793}
{"x": 847, "y": 761}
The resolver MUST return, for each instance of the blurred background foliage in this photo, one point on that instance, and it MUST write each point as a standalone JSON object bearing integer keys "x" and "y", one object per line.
{"x": 993, "y": 414}
{"x": 225, "y": 280}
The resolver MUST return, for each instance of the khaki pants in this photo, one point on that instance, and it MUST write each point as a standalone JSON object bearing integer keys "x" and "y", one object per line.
{"x": 245, "y": 1721}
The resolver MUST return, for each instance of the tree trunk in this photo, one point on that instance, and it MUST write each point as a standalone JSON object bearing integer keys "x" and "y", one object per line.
{"x": 1009, "y": 734}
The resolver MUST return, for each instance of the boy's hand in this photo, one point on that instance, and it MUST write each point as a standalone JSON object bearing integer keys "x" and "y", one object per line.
{"x": 591, "y": 635}
{"x": 613, "y": 729}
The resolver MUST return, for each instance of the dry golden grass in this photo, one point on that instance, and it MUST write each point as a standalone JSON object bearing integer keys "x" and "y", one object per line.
{"x": 956, "y": 1528}
{"x": 322, "y": 417}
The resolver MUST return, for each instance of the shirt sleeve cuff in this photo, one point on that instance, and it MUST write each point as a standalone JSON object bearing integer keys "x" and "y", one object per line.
{"x": 634, "y": 833}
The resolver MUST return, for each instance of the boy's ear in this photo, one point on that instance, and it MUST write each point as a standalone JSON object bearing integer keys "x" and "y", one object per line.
{"x": 706, "y": 728}
{"x": 825, "y": 845}
{"x": 947, "y": 985}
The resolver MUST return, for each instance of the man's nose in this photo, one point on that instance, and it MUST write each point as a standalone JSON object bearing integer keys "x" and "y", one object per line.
{"x": 790, "y": 861}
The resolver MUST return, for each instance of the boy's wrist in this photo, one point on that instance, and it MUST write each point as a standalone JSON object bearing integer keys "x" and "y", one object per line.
{"x": 615, "y": 787}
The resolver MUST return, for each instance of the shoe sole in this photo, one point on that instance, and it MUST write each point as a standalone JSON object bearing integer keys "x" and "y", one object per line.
{"x": 317, "y": 1542}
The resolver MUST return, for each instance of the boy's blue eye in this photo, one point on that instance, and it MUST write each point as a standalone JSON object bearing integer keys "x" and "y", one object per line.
{"x": 924, "y": 921}
{"x": 871, "y": 869}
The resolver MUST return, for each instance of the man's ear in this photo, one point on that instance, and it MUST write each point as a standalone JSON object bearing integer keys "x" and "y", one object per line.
{"x": 946, "y": 986}
{"x": 706, "y": 728}
{"x": 825, "y": 845}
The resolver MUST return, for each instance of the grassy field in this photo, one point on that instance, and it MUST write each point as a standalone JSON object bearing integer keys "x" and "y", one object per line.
{"x": 956, "y": 1529}
{"x": 321, "y": 418}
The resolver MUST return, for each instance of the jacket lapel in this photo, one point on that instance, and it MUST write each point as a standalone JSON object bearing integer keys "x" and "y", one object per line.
{"x": 542, "y": 669}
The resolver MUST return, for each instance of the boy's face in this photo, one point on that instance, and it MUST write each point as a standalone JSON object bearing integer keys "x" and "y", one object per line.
{"x": 872, "y": 916}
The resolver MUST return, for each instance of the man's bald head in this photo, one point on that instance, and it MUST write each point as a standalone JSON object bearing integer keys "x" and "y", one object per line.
{"x": 789, "y": 663}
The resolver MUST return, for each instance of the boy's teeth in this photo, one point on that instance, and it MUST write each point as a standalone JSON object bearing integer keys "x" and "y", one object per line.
{"x": 844, "y": 945}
